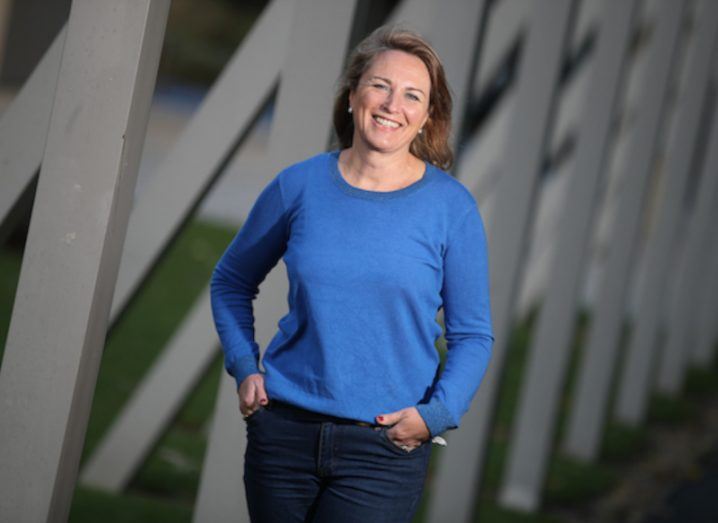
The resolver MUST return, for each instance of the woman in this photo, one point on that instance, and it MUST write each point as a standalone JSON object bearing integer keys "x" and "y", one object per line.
{"x": 376, "y": 239}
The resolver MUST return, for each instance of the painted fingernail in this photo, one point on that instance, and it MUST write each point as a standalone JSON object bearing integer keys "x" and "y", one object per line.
{"x": 380, "y": 418}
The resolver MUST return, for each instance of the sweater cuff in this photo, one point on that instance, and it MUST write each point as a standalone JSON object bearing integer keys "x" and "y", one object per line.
{"x": 243, "y": 367}
{"x": 436, "y": 416}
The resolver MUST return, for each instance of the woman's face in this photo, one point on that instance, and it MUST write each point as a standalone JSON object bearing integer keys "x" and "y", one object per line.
{"x": 391, "y": 102}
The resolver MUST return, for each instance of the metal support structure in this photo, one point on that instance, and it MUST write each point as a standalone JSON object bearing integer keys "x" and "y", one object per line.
{"x": 23, "y": 129}
{"x": 316, "y": 52}
{"x": 82, "y": 204}
{"x": 458, "y": 479}
{"x": 532, "y": 435}
{"x": 549, "y": 352}
{"x": 693, "y": 313}
{"x": 660, "y": 254}
{"x": 600, "y": 352}
{"x": 596, "y": 366}
{"x": 175, "y": 189}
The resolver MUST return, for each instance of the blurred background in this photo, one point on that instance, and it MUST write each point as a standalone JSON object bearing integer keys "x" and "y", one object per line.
{"x": 588, "y": 137}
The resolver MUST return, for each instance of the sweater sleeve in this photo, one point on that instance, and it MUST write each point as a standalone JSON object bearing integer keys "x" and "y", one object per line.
{"x": 254, "y": 251}
{"x": 467, "y": 320}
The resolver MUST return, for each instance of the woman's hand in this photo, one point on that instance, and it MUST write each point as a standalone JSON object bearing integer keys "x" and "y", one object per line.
{"x": 408, "y": 429}
{"x": 251, "y": 394}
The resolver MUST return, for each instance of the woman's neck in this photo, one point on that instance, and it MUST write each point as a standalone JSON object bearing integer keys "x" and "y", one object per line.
{"x": 377, "y": 171}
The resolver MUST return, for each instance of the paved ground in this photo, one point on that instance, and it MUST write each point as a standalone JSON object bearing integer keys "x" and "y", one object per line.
{"x": 692, "y": 500}
{"x": 674, "y": 481}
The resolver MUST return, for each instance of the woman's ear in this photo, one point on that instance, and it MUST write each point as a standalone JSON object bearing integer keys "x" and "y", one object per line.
{"x": 351, "y": 100}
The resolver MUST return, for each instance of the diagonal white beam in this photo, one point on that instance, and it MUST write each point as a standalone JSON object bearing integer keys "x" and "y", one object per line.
{"x": 459, "y": 469}
{"x": 549, "y": 351}
{"x": 600, "y": 352}
{"x": 635, "y": 381}
{"x": 678, "y": 350}
{"x": 690, "y": 336}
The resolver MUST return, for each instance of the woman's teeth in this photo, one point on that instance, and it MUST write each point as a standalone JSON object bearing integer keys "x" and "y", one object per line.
{"x": 385, "y": 122}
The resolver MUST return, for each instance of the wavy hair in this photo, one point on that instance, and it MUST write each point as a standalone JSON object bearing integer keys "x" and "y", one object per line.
{"x": 432, "y": 145}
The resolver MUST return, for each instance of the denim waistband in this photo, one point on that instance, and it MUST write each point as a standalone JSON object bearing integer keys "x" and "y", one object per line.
{"x": 299, "y": 414}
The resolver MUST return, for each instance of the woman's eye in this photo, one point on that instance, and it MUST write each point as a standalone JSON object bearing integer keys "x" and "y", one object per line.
{"x": 412, "y": 97}
{"x": 381, "y": 86}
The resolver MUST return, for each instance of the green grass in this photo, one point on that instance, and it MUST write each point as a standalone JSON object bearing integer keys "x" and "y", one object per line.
{"x": 165, "y": 488}
{"x": 93, "y": 505}
{"x": 489, "y": 511}
{"x": 621, "y": 442}
{"x": 572, "y": 482}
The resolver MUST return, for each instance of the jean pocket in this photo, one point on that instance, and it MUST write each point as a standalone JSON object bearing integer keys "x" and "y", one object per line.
{"x": 397, "y": 448}
{"x": 254, "y": 414}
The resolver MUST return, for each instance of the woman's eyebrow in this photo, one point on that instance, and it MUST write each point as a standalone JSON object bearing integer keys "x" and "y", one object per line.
{"x": 389, "y": 82}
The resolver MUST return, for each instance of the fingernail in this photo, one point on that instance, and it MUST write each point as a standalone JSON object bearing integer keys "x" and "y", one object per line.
{"x": 262, "y": 401}
{"x": 380, "y": 418}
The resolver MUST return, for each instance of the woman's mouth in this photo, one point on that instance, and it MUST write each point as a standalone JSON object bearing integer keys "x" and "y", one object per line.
{"x": 386, "y": 123}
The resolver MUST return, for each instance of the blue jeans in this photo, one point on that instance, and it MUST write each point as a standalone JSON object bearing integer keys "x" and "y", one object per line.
{"x": 305, "y": 467}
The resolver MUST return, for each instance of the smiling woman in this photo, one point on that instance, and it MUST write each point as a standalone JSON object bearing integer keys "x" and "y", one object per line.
{"x": 414, "y": 59}
{"x": 376, "y": 238}
{"x": 390, "y": 104}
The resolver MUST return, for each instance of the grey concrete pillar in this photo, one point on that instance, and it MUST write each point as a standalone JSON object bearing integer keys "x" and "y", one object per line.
{"x": 82, "y": 204}
{"x": 549, "y": 350}
{"x": 458, "y": 473}
{"x": 660, "y": 254}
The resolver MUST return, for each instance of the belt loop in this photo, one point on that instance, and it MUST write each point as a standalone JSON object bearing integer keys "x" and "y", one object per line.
{"x": 324, "y": 450}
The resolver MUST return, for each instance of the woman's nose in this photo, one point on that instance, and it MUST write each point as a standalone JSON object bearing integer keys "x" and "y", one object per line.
{"x": 390, "y": 102}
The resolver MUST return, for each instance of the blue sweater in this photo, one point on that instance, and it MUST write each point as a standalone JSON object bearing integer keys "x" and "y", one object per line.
{"x": 368, "y": 272}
